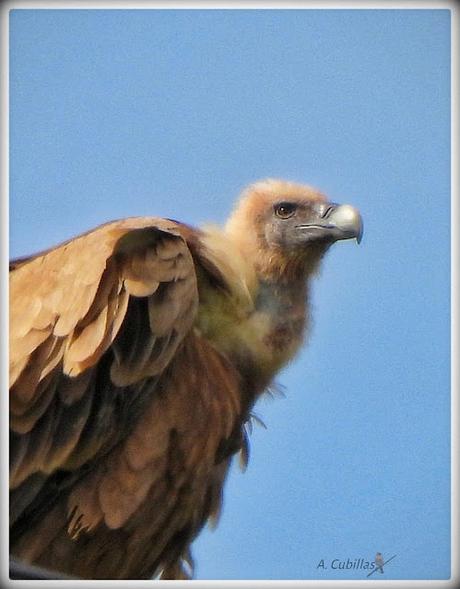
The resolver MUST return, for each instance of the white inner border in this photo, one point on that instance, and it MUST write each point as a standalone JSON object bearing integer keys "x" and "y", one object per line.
{"x": 455, "y": 263}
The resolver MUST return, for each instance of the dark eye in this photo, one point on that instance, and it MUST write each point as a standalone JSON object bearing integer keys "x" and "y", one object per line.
{"x": 284, "y": 210}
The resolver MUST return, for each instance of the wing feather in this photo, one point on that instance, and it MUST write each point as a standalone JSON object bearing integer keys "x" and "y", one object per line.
{"x": 123, "y": 418}
{"x": 86, "y": 311}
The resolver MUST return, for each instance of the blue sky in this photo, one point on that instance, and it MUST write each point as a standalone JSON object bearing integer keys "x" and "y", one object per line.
{"x": 165, "y": 112}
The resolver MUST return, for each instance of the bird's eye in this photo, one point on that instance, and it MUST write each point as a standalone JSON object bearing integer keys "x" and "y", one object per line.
{"x": 284, "y": 210}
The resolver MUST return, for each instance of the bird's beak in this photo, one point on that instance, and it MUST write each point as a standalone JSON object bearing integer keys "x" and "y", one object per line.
{"x": 335, "y": 222}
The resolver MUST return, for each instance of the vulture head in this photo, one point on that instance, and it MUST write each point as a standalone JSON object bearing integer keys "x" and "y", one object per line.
{"x": 286, "y": 227}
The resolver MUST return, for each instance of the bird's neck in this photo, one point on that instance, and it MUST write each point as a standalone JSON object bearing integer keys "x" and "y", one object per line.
{"x": 272, "y": 334}
{"x": 260, "y": 332}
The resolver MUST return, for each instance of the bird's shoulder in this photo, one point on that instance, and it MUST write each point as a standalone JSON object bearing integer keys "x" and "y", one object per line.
{"x": 99, "y": 314}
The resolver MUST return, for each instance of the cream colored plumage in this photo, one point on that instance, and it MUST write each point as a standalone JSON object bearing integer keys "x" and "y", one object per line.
{"x": 137, "y": 351}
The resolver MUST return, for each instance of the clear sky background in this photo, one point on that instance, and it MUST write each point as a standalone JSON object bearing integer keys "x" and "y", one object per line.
{"x": 172, "y": 113}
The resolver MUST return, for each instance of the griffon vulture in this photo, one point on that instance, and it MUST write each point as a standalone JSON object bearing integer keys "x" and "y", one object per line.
{"x": 137, "y": 351}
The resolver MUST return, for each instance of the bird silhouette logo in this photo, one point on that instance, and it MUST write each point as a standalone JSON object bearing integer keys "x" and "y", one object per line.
{"x": 379, "y": 562}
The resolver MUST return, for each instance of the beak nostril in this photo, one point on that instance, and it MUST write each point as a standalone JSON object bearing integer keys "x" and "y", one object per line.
{"x": 328, "y": 211}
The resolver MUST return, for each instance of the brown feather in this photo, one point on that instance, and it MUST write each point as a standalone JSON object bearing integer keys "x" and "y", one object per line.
{"x": 23, "y": 417}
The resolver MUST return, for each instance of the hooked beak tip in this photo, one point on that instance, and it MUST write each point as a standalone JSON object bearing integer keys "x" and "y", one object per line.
{"x": 348, "y": 219}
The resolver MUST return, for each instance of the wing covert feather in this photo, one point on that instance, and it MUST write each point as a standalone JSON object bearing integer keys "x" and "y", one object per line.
{"x": 123, "y": 418}
{"x": 125, "y": 295}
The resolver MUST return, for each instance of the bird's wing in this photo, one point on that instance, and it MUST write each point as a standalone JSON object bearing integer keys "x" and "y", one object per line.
{"x": 120, "y": 299}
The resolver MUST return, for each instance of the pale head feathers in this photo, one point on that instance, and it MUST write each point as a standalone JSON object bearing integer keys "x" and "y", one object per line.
{"x": 250, "y": 226}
